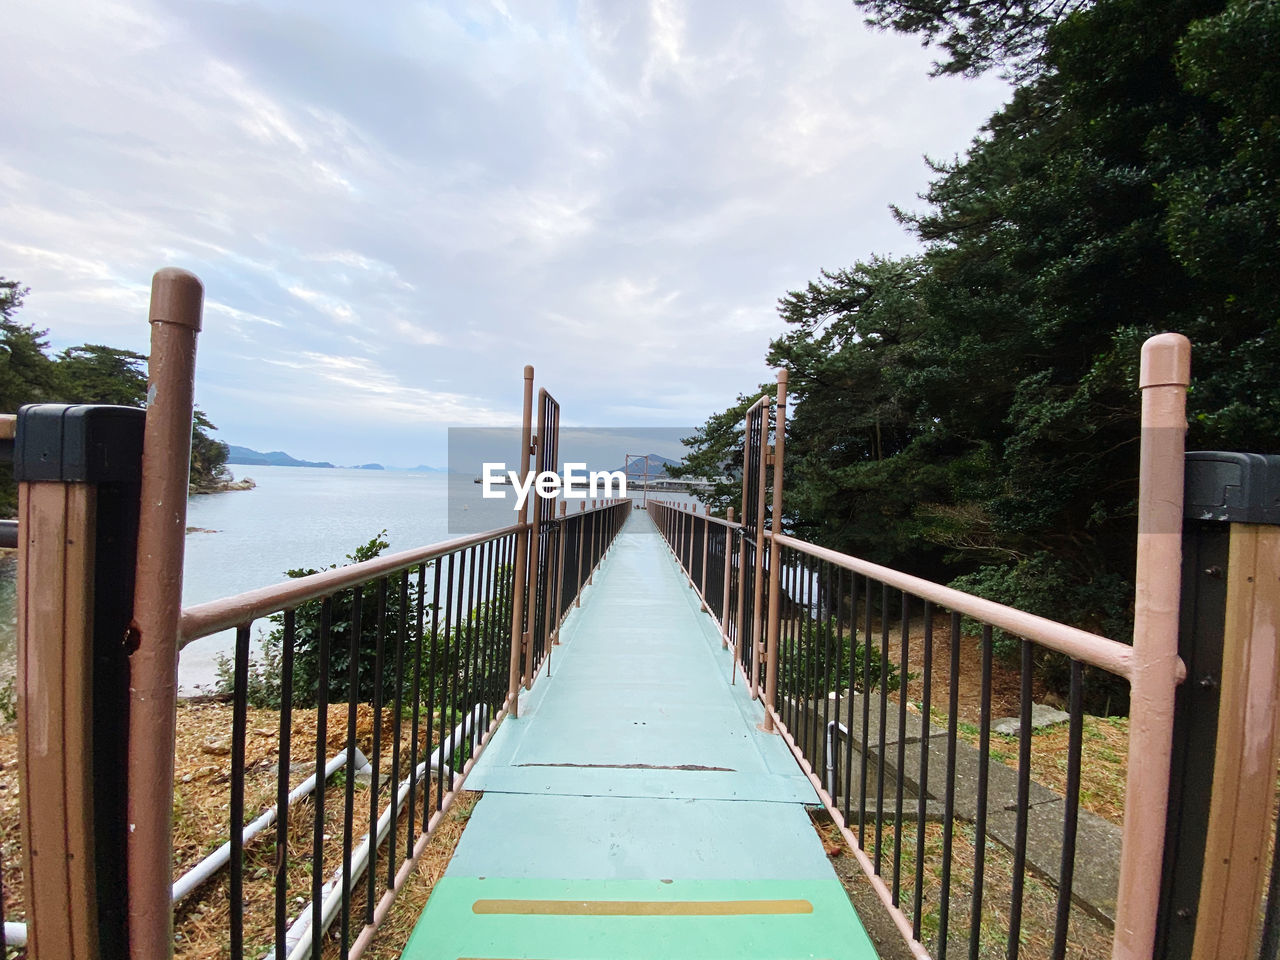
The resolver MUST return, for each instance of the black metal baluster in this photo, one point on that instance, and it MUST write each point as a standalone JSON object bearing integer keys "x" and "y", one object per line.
{"x": 794, "y": 659}
{"x": 282, "y": 785}
{"x": 411, "y": 828}
{"x": 852, "y": 701}
{"x": 866, "y": 715}
{"x": 462, "y": 750}
{"x": 397, "y": 732}
{"x": 349, "y": 793}
{"x": 902, "y": 747}
{"x": 923, "y": 799}
{"x": 436, "y": 611}
{"x": 1066, "y": 872}
{"x": 980, "y": 821}
{"x": 1024, "y": 798}
{"x": 239, "y": 725}
{"x": 322, "y": 728}
{"x": 830, "y": 648}
{"x": 949, "y": 802}
{"x": 484, "y": 622}
{"x": 882, "y": 681}
{"x": 375, "y": 784}
{"x": 446, "y": 665}
{"x": 812, "y": 638}
{"x": 497, "y": 689}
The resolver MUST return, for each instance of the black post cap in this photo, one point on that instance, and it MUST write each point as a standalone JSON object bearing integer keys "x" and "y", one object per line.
{"x": 1232, "y": 487}
{"x": 78, "y": 443}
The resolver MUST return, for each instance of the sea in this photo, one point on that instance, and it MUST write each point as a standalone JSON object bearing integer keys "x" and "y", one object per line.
{"x": 297, "y": 518}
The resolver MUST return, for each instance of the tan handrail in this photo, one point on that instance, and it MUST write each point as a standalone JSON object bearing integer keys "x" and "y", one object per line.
{"x": 672, "y": 505}
{"x": 1110, "y": 655}
{"x": 215, "y": 616}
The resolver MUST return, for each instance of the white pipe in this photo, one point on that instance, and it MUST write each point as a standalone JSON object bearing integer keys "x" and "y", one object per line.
{"x": 15, "y": 934}
{"x": 298, "y": 938}
{"x": 831, "y": 756}
{"x": 211, "y": 864}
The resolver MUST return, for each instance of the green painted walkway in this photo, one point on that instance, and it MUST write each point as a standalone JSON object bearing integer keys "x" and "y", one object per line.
{"x": 635, "y": 809}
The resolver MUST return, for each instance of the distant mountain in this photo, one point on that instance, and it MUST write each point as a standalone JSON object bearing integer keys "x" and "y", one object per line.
{"x": 370, "y": 466}
{"x": 420, "y": 468}
{"x": 276, "y": 458}
{"x": 657, "y": 467}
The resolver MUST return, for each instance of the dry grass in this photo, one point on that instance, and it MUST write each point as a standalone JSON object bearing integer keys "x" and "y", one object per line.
{"x": 1088, "y": 938}
{"x": 395, "y": 930}
{"x": 201, "y": 814}
{"x": 1104, "y": 757}
{"x": 1105, "y": 746}
{"x": 1104, "y": 754}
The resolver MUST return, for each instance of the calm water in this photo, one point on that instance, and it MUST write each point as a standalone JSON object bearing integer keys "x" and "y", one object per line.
{"x": 297, "y": 517}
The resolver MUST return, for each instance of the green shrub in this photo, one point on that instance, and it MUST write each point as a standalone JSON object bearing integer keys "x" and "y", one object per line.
{"x": 455, "y": 653}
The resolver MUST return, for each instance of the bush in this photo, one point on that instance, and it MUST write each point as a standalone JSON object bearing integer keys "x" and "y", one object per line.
{"x": 1046, "y": 586}
{"x": 455, "y": 653}
{"x": 822, "y": 640}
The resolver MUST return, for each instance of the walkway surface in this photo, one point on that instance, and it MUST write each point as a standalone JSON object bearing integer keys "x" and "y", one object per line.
{"x": 635, "y": 809}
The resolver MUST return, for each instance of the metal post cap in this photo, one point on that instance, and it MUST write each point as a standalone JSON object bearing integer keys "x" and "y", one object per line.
{"x": 177, "y": 296}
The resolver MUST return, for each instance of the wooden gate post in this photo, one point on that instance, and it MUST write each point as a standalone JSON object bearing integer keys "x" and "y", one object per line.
{"x": 1220, "y": 905}
{"x": 78, "y": 470}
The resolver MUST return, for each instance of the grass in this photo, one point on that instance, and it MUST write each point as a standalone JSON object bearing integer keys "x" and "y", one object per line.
{"x": 200, "y": 822}
{"x": 1088, "y": 938}
{"x": 1103, "y": 759}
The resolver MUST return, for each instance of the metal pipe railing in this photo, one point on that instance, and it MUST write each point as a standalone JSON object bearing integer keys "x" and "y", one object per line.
{"x": 839, "y": 619}
{"x": 204, "y": 619}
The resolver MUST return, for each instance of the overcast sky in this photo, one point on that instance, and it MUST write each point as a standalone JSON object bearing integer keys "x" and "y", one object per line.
{"x": 395, "y": 206}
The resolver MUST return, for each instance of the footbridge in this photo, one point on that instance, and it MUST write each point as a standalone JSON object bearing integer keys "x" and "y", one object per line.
{"x": 690, "y": 735}
{"x": 636, "y": 808}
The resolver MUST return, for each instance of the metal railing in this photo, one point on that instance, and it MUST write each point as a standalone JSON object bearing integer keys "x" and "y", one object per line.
{"x": 422, "y": 633}
{"x": 829, "y": 651}
{"x": 420, "y": 636}
{"x": 856, "y": 666}
{"x": 410, "y": 660}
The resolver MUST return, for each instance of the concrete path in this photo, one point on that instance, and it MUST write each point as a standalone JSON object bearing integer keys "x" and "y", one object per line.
{"x": 635, "y": 809}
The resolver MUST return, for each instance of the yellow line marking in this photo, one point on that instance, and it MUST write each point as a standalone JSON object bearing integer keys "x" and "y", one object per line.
{"x": 640, "y": 908}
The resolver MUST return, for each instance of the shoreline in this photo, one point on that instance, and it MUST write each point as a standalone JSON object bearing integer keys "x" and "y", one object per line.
{"x": 224, "y": 486}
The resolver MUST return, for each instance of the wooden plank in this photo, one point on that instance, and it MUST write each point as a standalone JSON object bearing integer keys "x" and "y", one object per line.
{"x": 55, "y": 589}
{"x": 1248, "y": 741}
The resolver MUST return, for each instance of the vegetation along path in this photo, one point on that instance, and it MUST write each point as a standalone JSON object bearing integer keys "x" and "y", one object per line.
{"x": 635, "y": 805}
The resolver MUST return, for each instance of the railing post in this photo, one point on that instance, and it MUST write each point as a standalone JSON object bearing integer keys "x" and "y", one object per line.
{"x": 177, "y": 299}
{"x": 739, "y": 621}
{"x": 757, "y": 619}
{"x": 78, "y": 470}
{"x": 775, "y": 554}
{"x": 1217, "y": 884}
{"x": 1164, "y": 377}
{"x": 518, "y": 633}
{"x": 706, "y": 538}
{"x": 728, "y": 572}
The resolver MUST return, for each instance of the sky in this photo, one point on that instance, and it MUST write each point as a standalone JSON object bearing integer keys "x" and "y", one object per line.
{"x": 395, "y": 206}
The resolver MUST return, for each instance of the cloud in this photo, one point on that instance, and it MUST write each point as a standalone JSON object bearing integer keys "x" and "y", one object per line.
{"x": 617, "y": 193}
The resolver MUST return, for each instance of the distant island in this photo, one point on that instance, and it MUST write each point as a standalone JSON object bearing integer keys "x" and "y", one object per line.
{"x": 245, "y": 456}
{"x": 276, "y": 458}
